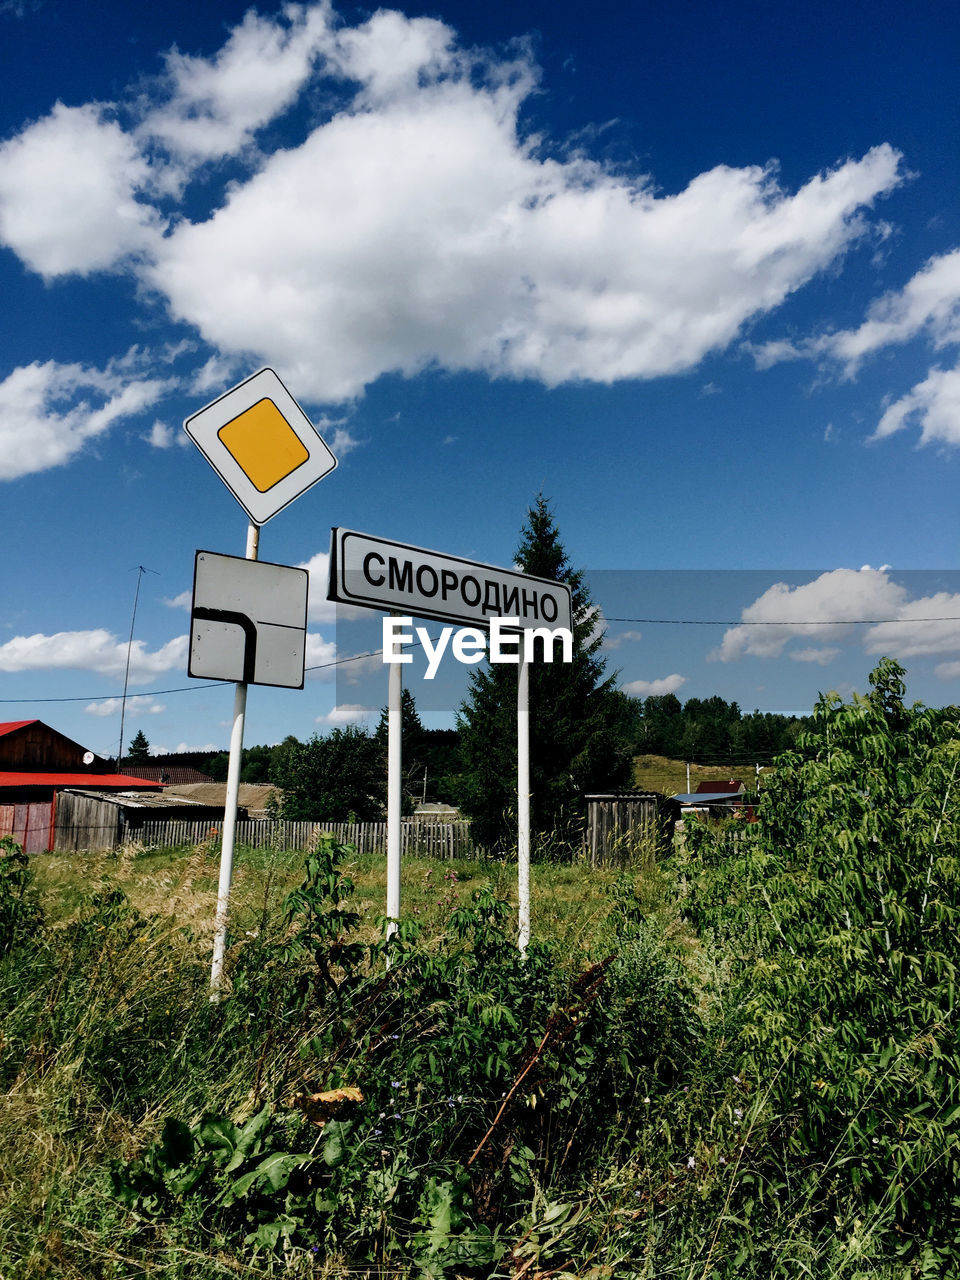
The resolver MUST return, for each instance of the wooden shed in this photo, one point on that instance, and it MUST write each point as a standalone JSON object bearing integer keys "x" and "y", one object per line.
{"x": 629, "y": 827}
{"x": 103, "y": 819}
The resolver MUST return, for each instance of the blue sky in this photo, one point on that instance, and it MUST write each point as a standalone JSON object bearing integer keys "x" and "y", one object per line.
{"x": 692, "y": 271}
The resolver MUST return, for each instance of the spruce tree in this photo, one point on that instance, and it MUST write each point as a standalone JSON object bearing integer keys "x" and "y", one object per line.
{"x": 139, "y": 751}
{"x": 578, "y": 720}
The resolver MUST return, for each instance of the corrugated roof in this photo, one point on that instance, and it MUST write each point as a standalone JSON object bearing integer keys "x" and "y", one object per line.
{"x": 100, "y": 780}
{"x": 10, "y": 726}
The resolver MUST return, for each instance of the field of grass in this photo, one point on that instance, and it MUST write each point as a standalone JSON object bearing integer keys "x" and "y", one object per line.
{"x": 740, "y": 1064}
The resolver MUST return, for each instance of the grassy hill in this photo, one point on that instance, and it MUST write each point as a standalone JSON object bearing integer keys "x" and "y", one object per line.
{"x": 657, "y": 773}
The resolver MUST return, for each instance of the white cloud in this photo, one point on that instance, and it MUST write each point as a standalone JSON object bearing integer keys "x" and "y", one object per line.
{"x": 415, "y": 226}
{"x": 924, "y": 626}
{"x": 933, "y": 404}
{"x": 812, "y": 610}
{"x": 822, "y": 657}
{"x": 320, "y": 653}
{"x": 161, "y": 436}
{"x": 68, "y": 187}
{"x": 426, "y": 232}
{"x": 96, "y": 650}
{"x": 140, "y": 704}
{"x": 654, "y": 688}
{"x": 49, "y": 411}
{"x": 183, "y": 601}
{"x": 624, "y": 637}
{"x": 213, "y": 107}
{"x": 948, "y": 670}
{"x": 929, "y": 305}
{"x": 319, "y": 608}
{"x": 345, "y": 714}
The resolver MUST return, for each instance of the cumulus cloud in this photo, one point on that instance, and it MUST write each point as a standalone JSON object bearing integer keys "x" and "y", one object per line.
{"x": 97, "y": 650}
{"x": 415, "y": 225}
{"x": 49, "y": 411}
{"x": 827, "y": 608}
{"x": 319, "y": 608}
{"x": 345, "y": 714}
{"x": 68, "y": 194}
{"x": 928, "y": 625}
{"x": 654, "y": 688}
{"x": 140, "y": 704}
{"x": 811, "y": 610}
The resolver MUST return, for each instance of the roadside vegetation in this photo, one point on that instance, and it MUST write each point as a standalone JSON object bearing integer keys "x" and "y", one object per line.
{"x": 741, "y": 1063}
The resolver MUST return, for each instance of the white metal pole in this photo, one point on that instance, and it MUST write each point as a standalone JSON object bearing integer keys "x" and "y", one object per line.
{"x": 523, "y": 802}
{"x": 688, "y": 777}
{"x": 230, "y": 811}
{"x": 394, "y": 794}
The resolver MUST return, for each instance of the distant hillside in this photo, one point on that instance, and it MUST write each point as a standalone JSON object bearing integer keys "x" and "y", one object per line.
{"x": 658, "y": 773}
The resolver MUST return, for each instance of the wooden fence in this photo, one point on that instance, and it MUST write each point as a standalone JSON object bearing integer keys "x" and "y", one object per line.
{"x": 428, "y": 839}
{"x": 630, "y": 829}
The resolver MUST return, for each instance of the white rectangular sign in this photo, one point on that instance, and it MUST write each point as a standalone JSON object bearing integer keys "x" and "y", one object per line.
{"x": 365, "y": 570}
{"x": 248, "y": 622}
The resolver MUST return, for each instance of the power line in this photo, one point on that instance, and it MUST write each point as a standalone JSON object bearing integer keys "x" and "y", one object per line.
{"x": 374, "y": 653}
{"x": 813, "y": 622}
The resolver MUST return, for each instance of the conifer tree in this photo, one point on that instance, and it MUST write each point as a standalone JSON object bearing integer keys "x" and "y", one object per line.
{"x": 578, "y": 720}
{"x": 139, "y": 751}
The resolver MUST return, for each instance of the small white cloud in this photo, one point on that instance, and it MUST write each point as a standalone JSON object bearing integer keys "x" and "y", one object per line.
{"x": 820, "y": 656}
{"x": 654, "y": 688}
{"x": 320, "y": 655}
{"x": 948, "y": 670}
{"x": 341, "y": 442}
{"x": 161, "y": 436}
{"x": 140, "y": 704}
{"x": 347, "y": 713}
{"x": 622, "y": 638}
{"x": 183, "y": 601}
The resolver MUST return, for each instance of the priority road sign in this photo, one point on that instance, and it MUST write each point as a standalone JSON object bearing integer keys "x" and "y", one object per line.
{"x": 262, "y": 445}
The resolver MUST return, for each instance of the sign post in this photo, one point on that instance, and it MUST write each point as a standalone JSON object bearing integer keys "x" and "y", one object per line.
{"x": 402, "y": 579}
{"x": 394, "y": 794}
{"x": 523, "y": 804}
{"x": 230, "y": 808}
{"x": 267, "y": 452}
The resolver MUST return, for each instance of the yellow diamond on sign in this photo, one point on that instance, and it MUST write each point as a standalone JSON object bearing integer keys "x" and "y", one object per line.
{"x": 263, "y": 444}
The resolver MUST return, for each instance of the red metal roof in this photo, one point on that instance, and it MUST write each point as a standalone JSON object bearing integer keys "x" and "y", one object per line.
{"x": 721, "y": 788}
{"x": 10, "y": 726}
{"x": 97, "y": 781}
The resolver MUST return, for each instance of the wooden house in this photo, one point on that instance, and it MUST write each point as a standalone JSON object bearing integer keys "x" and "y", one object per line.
{"x": 37, "y": 764}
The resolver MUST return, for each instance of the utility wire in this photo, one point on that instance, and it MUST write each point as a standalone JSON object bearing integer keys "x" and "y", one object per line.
{"x": 374, "y": 653}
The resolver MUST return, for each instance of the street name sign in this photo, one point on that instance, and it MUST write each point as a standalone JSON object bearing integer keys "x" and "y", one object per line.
{"x": 248, "y": 622}
{"x": 262, "y": 445}
{"x": 393, "y": 576}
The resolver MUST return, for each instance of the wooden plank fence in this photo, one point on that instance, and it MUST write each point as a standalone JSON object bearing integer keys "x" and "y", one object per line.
{"x": 426, "y": 839}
